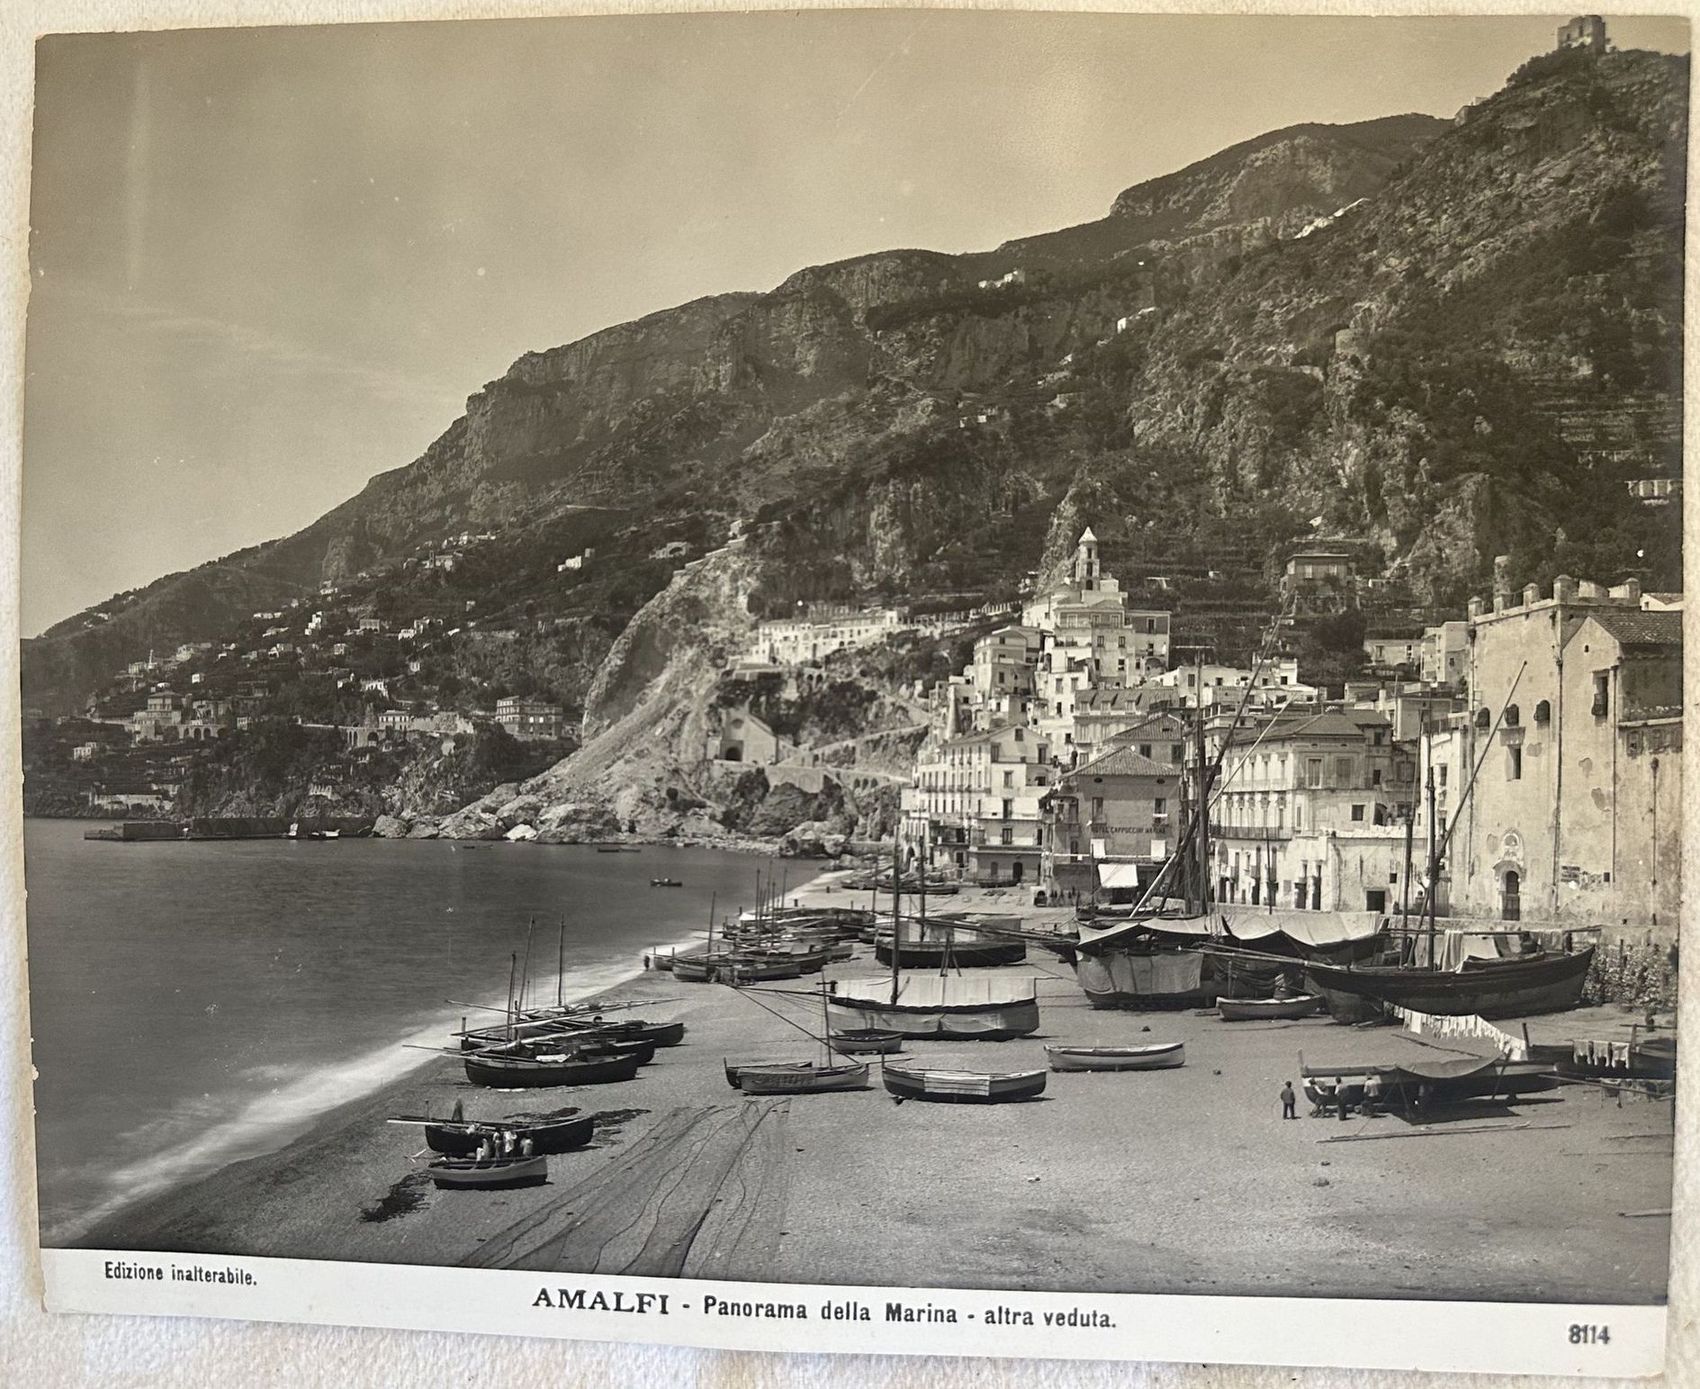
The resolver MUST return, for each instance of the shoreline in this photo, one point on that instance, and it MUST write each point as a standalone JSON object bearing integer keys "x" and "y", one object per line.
{"x": 76, "y": 1231}
{"x": 1509, "y": 1202}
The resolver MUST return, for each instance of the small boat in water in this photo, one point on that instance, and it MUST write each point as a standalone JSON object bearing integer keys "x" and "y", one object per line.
{"x": 665, "y": 882}
{"x": 1248, "y": 1009}
{"x": 865, "y": 1041}
{"x": 1154, "y": 1056}
{"x": 493, "y": 1172}
{"x": 961, "y": 1087}
{"x": 796, "y": 1077}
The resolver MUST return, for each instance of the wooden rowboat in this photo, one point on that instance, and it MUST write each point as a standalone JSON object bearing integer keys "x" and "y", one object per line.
{"x": 502, "y": 1070}
{"x": 499, "y": 1172}
{"x": 962, "y": 1087}
{"x": 796, "y": 1077}
{"x": 1155, "y": 1056}
{"x": 462, "y": 1138}
{"x": 1248, "y": 1009}
{"x": 865, "y": 1041}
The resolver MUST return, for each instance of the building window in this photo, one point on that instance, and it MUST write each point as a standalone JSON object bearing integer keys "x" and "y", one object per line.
{"x": 1343, "y": 770}
{"x": 1313, "y": 771}
{"x": 1513, "y": 716}
{"x": 1375, "y": 777}
{"x": 1357, "y": 814}
{"x": 1009, "y": 778}
{"x": 1097, "y": 807}
{"x": 1514, "y": 767}
{"x": 1543, "y": 712}
{"x": 1006, "y": 835}
{"x": 1009, "y": 810}
{"x": 1160, "y": 806}
{"x": 1602, "y": 694}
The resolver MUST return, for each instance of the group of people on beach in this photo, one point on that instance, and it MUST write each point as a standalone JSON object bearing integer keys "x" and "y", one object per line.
{"x": 503, "y": 1145}
{"x": 1333, "y": 1097}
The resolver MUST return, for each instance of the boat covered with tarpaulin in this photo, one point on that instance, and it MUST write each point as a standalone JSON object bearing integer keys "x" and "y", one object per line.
{"x": 981, "y": 1007}
{"x": 961, "y": 1087}
{"x": 1423, "y": 1083}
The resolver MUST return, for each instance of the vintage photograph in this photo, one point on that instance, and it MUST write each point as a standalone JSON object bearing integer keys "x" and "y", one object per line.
{"x": 899, "y": 651}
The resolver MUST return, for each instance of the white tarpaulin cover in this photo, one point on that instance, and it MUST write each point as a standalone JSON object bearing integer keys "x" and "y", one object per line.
{"x": 1315, "y": 929}
{"x": 1156, "y": 975}
{"x": 938, "y": 991}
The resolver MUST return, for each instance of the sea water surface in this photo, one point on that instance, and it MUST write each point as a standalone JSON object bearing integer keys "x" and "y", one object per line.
{"x": 196, "y": 1003}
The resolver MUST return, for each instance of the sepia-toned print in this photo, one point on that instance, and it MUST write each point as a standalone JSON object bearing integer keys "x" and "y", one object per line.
{"x": 928, "y": 681}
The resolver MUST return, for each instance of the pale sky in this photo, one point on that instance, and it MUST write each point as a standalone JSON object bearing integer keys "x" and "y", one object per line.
{"x": 269, "y": 263}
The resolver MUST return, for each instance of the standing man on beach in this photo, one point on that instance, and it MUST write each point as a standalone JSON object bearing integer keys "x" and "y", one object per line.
{"x": 1372, "y": 1094}
{"x": 1289, "y": 1102}
{"x": 1340, "y": 1095}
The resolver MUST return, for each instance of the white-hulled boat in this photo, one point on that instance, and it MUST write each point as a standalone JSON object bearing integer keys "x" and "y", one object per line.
{"x": 492, "y": 1172}
{"x": 796, "y": 1077}
{"x": 1153, "y": 1056}
{"x": 1249, "y": 1009}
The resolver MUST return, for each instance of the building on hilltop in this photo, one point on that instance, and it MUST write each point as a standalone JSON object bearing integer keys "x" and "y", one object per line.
{"x": 1586, "y": 31}
{"x": 743, "y": 737}
{"x": 817, "y": 634}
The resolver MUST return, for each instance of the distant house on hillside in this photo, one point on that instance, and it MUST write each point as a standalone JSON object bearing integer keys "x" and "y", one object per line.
{"x": 742, "y": 737}
{"x": 529, "y": 720}
{"x": 1586, "y": 31}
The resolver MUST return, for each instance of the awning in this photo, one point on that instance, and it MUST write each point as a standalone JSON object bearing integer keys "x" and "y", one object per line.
{"x": 1112, "y": 875}
{"x": 1316, "y": 930}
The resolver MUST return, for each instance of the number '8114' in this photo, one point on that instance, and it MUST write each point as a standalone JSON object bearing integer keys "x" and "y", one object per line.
{"x": 1581, "y": 1335}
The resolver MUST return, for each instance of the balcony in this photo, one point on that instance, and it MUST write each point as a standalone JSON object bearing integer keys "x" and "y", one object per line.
{"x": 1265, "y": 833}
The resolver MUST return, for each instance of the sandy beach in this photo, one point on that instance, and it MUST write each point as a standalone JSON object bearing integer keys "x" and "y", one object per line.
{"x": 1177, "y": 1181}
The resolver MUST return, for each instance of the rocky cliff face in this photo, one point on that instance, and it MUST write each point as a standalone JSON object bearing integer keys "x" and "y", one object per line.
{"x": 1448, "y": 339}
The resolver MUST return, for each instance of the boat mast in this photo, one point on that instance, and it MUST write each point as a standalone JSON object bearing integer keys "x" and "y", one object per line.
{"x": 1203, "y": 812}
{"x": 513, "y": 964}
{"x": 1433, "y": 872}
{"x": 525, "y": 976}
{"x": 560, "y": 960}
{"x": 896, "y": 901}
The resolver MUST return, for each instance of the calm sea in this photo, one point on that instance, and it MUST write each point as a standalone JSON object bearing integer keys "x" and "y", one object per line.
{"x": 197, "y": 1003}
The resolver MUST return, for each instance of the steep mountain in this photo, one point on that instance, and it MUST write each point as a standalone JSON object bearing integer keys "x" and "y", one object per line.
{"x": 731, "y": 402}
{"x": 1444, "y": 340}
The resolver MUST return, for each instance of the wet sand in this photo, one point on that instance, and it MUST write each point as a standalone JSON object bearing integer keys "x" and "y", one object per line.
{"x": 1181, "y": 1181}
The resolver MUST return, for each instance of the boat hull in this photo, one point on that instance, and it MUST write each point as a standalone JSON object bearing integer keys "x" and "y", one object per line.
{"x": 1505, "y": 988}
{"x": 798, "y": 1078}
{"x": 526, "y": 1072}
{"x": 985, "y": 1022}
{"x": 1514, "y": 1078}
{"x": 559, "y": 1136}
{"x": 931, "y": 954}
{"x": 1252, "y": 1009}
{"x": 867, "y": 1042}
{"x": 962, "y": 1087}
{"x": 461, "y": 1174}
{"x": 1159, "y": 1057}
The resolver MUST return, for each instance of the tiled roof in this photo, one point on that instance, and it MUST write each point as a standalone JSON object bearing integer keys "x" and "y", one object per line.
{"x": 1121, "y": 762}
{"x": 1635, "y": 628}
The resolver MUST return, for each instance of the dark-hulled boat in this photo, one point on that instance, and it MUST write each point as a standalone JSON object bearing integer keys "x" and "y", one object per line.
{"x": 1416, "y": 1085}
{"x": 462, "y": 1138}
{"x": 495, "y": 1172}
{"x": 1540, "y": 981}
{"x": 524, "y": 1069}
{"x": 961, "y": 1087}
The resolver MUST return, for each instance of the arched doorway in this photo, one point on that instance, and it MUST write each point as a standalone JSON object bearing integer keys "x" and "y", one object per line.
{"x": 1511, "y": 900}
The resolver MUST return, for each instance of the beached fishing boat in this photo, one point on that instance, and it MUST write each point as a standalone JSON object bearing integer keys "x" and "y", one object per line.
{"x": 463, "y": 1137}
{"x": 528, "y": 1070}
{"x": 1653, "y": 1058}
{"x": 796, "y": 1077}
{"x": 945, "y": 1005}
{"x": 961, "y": 1087}
{"x": 1251, "y": 1009}
{"x": 867, "y": 1042}
{"x": 1153, "y": 1056}
{"x": 575, "y": 1027}
{"x": 665, "y": 882}
{"x": 946, "y": 944}
{"x": 1535, "y": 981}
{"x": 1414, "y": 1086}
{"x": 494, "y": 1172}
